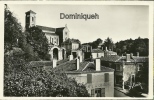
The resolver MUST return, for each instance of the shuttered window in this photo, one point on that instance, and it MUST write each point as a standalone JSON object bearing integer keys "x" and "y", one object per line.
{"x": 103, "y": 92}
{"x": 89, "y": 78}
{"x": 106, "y": 77}
{"x": 92, "y": 92}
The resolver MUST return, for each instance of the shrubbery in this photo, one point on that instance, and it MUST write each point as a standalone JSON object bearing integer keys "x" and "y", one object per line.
{"x": 20, "y": 79}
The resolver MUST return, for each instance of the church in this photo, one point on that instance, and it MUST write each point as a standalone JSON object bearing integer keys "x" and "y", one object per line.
{"x": 55, "y": 36}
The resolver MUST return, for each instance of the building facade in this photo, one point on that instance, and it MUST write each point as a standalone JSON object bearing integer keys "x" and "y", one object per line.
{"x": 126, "y": 68}
{"x": 55, "y": 36}
{"x": 99, "y": 80}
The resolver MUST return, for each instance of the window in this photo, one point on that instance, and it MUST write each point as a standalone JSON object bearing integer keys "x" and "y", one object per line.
{"x": 132, "y": 78}
{"x": 110, "y": 64}
{"x": 139, "y": 67}
{"x": 92, "y": 92}
{"x": 50, "y": 39}
{"x": 66, "y": 38}
{"x": 32, "y": 18}
{"x": 98, "y": 92}
{"x": 106, "y": 77}
{"x": 117, "y": 68}
{"x": 103, "y": 92}
{"x": 65, "y": 33}
{"x": 89, "y": 78}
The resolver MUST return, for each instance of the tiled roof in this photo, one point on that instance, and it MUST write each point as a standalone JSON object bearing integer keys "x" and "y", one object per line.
{"x": 62, "y": 61}
{"x": 110, "y": 52}
{"x": 46, "y": 28}
{"x": 71, "y": 41}
{"x": 123, "y": 58}
{"x": 141, "y": 59}
{"x": 111, "y": 58}
{"x": 30, "y": 11}
{"x": 116, "y": 58}
{"x": 84, "y": 67}
{"x": 70, "y": 66}
{"x": 97, "y": 51}
{"x": 67, "y": 66}
{"x": 92, "y": 68}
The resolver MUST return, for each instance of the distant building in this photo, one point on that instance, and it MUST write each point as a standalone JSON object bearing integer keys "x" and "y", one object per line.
{"x": 126, "y": 67}
{"x": 55, "y": 36}
{"x": 97, "y": 53}
{"x": 89, "y": 52}
{"x": 99, "y": 80}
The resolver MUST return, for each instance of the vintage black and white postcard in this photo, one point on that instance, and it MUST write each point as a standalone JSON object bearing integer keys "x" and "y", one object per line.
{"x": 95, "y": 50}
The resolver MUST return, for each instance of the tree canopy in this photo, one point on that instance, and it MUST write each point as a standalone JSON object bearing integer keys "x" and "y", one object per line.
{"x": 140, "y": 45}
{"x": 95, "y": 43}
{"x": 108, "y": 43}
{"x": 12, "y": 30}
{"x": 37, "y": 39}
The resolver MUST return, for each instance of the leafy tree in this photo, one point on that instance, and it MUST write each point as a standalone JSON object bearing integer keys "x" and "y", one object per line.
{"x": 36, "y": 81}
{"x": 108, "y": 43}
{"x": 133, "y": 46}
{"x": 12, "y": 30}
{"x": 95, "y": 43}
{"x": 37, "y": 39}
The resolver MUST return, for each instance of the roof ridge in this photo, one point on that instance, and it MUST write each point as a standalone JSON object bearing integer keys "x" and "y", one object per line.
{"x": 108, "y": 67}
{"x": 86, "y": 66}
{"x": 118, "y": 59}
{"x": 64, "y": 63}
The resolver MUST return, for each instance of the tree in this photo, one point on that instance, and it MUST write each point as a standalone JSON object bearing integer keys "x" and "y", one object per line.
{"x": 108, "y": 43}
{"x": 37, "y": 39}
{"x": 12, "y": 30}
{"x": 30, "y": 81}
{"x": 133, "y": 46}
{"x": 95, "y": 43}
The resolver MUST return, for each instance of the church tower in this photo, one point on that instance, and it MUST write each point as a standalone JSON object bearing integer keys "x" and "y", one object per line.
{"x": 30, "y": 19}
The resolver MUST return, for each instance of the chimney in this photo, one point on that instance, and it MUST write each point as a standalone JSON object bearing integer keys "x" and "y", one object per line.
{"x": 54, "y": 63}
{"x": 98, "y": 65}
{"x": 80, "y": 58}
{"x": 131, "y": 55}
{"x": 137, "y": 54}
{"x": 70, "y": 57}
{"x": 102, "y": 48}
{"x": 127, "y": 57}
{"x": 106, "y": 49}
{"x": 87, "y": 49}
{"x": 77, "y": 63}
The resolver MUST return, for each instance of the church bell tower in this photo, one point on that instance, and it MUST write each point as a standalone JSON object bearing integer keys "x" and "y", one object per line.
{"x": 30, "y": 19}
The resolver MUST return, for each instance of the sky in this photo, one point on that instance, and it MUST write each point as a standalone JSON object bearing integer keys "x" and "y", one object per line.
{"x": 118, "y": 22}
